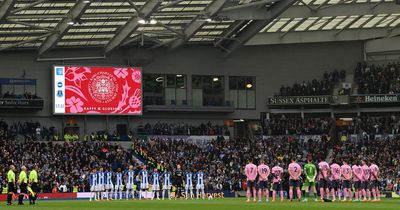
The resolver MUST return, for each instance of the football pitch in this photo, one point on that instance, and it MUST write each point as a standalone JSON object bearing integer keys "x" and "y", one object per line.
{"x": 216, "y": 204}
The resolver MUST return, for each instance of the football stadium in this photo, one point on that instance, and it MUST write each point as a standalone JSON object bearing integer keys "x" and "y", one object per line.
{"x": 200, "y": 104}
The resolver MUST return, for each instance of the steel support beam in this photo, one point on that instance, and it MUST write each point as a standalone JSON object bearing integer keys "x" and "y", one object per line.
{"x": 163, "y": 43}
{"x": 177, "y": 32}
{"x": 28, "y": 6}
{"x": 255, "y": 26}
{"x": 293, "y": 27}
{"x": 295, "y": 37}
{"x": 25, "y": 41}
{"x": 131, "y": 25}
{"x": 344, "y": 9}
{"x": 142, "y": 39}
{"x": 133, "y": 5}
{"x": 62, "y": 27}
{"x": 231, "y": 31}
{"x": 251, "y": 5}
{"x": 5, "y": 8}
{"x": 348, "y": 25}
{"x": 368, "y": 8}
{"x": 197, "y": 24}
{"x": 31, "y": 25}
{"x": 125, "y": 15}
{"x": 170, "y": 4}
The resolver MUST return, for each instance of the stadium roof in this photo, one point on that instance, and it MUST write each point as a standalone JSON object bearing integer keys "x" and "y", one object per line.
{"x": 228, "y": 24}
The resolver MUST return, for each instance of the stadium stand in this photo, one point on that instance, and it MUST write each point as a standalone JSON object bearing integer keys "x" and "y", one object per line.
{"x": 62, "y": 164}
{"x": 222, "y": 160}
{"x": 382, "y": 150}
{"x": 156, "y": 92}
{"x": 388, "y": 123}
{"x": 26, "y": 95}
{"x": 314, "y": 87}
{"x": 378, "y": 79}
{"x": 283, "y": 125}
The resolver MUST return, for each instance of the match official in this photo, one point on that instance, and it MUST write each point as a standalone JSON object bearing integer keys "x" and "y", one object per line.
{"x": 11, "y": 184}
{"x": 33, "y": 182}
{"x": 23, "y": 185}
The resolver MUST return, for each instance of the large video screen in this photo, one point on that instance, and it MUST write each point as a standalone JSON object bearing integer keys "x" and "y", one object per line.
{"x": 97, "y": 90}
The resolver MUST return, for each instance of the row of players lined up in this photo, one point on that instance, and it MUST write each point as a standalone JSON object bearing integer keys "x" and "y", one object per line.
{"x": 331, "y": 180}
{"x": 108, "y": 184}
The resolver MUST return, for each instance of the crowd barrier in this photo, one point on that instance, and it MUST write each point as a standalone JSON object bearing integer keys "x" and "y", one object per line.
{"x": 86, "y": 195}
{"x": 351, "y": 137}
{"x": 214, "y": 194}
{"x": 197, "y": 140}
{"x": 48, "y": 196}
{"x": 301, "y": 137}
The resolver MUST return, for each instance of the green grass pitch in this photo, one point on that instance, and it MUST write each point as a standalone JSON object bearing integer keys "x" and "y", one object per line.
{"x": 216, "y": 204}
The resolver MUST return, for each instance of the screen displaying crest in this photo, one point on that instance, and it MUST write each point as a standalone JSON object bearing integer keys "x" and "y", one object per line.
{"x": 97, "y": 90}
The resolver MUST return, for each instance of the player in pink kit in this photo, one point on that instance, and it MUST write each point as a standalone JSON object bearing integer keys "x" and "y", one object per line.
{"x": 365, "y": 182}
{"x": 277, "y": 172}
{"x": 263, "y": 173}
{"x": 375, "y": 181}
{"x": 357, "y": 178}
{"x": 251, "y": 174}
{"x": 323, "y": 176}
{"x": 346, "y": 177}
{"x": 335, "y": 181}
{"x": 295, "y": 171}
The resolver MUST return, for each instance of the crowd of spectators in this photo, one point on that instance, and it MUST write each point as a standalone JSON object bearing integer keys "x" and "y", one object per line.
{"x": 314, "y": 87}
{"x": 295, "y": 125}
{"x": 63, "y": 166}
{"x": 182, "y": 129}
{"x": 369, "y": 125}
{"x": 223, "y": 160}
{"x": 384, "y": 152}
{"x": 373, "y": 125}
{"x": 28, "y": 129}
{"x": 36, "y": 131}
{"x": 378, "y": 79}
{"x": 26, "y": 95}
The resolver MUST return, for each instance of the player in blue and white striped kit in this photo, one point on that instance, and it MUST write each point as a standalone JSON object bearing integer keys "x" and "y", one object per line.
{"x": 200, "y": 184}
{"x": 93, "y": 184}
{"x": 118, "y": 184}
{"x": 100, "y": 183}
{"x": 109, "y": 184}
{"x": 144, "y": 181}
{"x": 130, "y": 177}
{"x": 155, "y": 184}
{"x": 166, "y": 176}
{"x": 189, "y": 185}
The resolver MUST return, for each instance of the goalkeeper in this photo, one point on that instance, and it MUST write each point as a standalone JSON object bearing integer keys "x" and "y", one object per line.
{"x": 311, "y": 173}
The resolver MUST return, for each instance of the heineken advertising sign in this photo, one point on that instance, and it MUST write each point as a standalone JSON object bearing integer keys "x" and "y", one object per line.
{"x": 360, "y": 99}
{"x": 299, "y": 100}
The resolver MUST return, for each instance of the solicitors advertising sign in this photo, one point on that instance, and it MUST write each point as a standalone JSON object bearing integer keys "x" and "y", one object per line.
{"x": 17, "y": 81}
{"x": 299, "y": 100}
{"x": 363, "y": 99}
{"x": 21, "y": 103}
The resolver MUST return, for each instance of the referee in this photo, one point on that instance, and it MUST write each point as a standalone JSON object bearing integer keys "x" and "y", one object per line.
{"x": 33, "y": 181}
{"x": 11, "y": 184}
{"x": 23, "y": 185}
